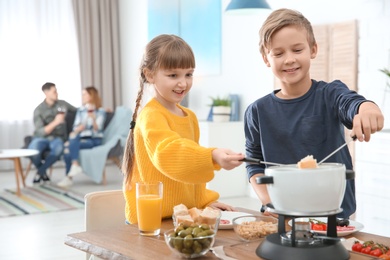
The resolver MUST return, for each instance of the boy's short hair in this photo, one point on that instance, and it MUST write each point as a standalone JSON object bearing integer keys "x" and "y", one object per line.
{"x": 47, "y": 86}
{"x": 279, "y": 19}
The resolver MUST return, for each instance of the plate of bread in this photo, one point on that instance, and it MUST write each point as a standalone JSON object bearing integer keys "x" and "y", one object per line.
{"x": 208, "y": 215}
{"x": 215, "y": 218}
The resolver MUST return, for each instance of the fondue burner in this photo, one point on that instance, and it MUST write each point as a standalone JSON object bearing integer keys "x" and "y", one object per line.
{"x": 301, "y": 243}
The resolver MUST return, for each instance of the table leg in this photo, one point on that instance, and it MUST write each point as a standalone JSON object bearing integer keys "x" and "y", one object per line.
{"x": 21, "y": 172}
{"x": 18, "y": 172}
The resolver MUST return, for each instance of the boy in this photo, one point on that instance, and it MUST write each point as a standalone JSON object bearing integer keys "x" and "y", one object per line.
{"x": 304, "y": 117}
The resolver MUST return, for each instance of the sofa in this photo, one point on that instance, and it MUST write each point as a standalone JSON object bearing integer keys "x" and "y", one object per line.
{"x": 116, "y": 128}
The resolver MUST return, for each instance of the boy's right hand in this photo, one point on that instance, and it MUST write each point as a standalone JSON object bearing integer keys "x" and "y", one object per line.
{"x": 226, "y": 158}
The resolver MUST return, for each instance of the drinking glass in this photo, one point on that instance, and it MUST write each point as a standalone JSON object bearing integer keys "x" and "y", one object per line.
{"x": 91, "y": 108}
{"x": 149, "y": 207}
{"x": 61, "y": 109}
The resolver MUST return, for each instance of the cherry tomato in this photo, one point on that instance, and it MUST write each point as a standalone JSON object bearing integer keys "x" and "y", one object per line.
{"x": 376, "y": 252}
{"x": 385, "y": 256}
{"x": 388, "y": 252}
{"x": 366, "y": 250}
{"x": 320, "y": 227}
{"x": 357, "y": 247}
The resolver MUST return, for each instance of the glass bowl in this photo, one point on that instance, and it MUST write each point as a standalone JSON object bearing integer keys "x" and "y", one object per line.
{"x": 190, "y": 241}
{"x": 249, "y": 228}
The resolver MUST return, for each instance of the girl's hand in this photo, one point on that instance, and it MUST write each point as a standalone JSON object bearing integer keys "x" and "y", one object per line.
{"x": 368, "y": 121}
{"x": 226, "y": 158}
{"x": 221, "y": 206}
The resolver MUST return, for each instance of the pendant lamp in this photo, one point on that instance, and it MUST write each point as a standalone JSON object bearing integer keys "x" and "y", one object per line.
{"x": 246, "y": 6}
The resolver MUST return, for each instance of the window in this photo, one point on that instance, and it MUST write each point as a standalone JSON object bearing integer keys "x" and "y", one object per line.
{"x": 198, "y": 22}
{"x": 38, "y": 44}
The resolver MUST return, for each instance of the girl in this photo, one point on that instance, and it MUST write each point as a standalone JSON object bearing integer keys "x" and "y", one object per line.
{"x": 162, "y": 144}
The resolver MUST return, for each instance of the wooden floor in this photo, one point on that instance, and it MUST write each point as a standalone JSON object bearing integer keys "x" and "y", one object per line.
{"x": 41, "y": 236}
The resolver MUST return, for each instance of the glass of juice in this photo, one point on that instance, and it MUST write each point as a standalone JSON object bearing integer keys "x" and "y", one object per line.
{"x": 149, "y": 207}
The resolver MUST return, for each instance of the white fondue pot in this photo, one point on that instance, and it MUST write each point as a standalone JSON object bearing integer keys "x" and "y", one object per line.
{"x": 311, "y": 191}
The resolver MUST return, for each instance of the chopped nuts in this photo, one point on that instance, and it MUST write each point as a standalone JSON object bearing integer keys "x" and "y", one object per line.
{"x": 255, "y": 229}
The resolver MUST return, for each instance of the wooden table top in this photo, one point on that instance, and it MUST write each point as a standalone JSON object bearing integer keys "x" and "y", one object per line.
{"x": 124, "y": 242}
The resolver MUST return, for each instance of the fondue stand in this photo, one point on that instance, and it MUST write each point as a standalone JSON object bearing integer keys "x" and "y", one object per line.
{"x": 300, "y": 243}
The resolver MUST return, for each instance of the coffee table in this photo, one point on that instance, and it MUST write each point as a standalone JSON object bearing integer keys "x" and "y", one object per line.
{"x": 15, "y": 155}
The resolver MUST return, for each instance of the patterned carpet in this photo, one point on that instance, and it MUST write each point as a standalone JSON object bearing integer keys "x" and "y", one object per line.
{"x": 39, "y": 199}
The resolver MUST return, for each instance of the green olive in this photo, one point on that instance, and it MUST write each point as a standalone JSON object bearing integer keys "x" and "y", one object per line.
{"x": 196, "y": 231}
{"x": 189, "y": 230}
{"x": 206, "y": 242}
{"x": 202, "y": 234}
{"x": 188, "y": 241}
{"x": 209, "y": 232}
{"x": 204, "y": 226}
{"x": 178, "y": 244}
{"x": 185, "y": 226}
{"x": 187, "y": 251}
{"x": 184, "y": 233}
{"x": 178, "y": 229}
{"x": 197, "y": 247}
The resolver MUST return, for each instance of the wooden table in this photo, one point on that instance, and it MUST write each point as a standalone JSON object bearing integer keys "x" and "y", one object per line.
{"x": 15, "y": 155}
{"x": 126, "y": 243}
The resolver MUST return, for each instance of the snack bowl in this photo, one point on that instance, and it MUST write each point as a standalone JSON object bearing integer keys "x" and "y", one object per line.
{"x": 190, "y": 241}
{"x": 250, "y": 228}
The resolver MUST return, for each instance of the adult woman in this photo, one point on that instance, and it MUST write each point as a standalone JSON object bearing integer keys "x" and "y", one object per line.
{"x": 87, "y": 132}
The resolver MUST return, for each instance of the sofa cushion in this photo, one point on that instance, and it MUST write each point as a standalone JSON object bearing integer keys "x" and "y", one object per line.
{"x": 69, "y": 119}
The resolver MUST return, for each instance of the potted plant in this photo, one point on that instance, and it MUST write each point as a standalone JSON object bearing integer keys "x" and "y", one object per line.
{"x": 221, "y": 109}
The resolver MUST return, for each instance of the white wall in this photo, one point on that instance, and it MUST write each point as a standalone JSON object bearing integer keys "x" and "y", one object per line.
{"x": 243, "y": 71}
{"x": 133, "y": 38}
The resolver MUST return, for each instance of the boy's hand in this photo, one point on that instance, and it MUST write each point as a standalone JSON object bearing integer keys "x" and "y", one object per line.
{"x": 368, "y": 121}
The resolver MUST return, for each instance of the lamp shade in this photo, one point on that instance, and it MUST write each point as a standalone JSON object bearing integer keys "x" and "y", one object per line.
{"x": 246, "y": 6}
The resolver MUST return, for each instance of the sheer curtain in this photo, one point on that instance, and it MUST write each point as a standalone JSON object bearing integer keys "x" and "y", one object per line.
{"x": 38, "y": 43}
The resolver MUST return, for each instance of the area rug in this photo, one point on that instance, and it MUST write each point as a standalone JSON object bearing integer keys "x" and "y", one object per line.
{"x": 38, "y": 199}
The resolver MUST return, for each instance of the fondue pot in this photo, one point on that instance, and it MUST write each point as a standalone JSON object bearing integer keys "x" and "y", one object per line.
{"x": 311, "y": 191}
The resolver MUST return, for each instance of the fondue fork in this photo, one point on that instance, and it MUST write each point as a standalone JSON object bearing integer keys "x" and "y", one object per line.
{"x": 258, "y": 161}
{"x": 338, "y": 149}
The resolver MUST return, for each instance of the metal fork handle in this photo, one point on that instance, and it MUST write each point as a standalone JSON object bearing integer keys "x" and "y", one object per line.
{"x": 338, "y": 149}
{"x": 258, "y": 161}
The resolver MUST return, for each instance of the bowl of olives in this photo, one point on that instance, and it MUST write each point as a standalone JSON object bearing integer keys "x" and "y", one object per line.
{"x": 190, "y": 241}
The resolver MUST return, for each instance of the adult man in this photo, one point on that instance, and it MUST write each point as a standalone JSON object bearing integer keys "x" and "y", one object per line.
{"x": 50, "y": 131}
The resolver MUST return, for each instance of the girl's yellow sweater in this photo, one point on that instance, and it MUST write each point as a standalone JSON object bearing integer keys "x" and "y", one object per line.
{"x": 166, "y": 149}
